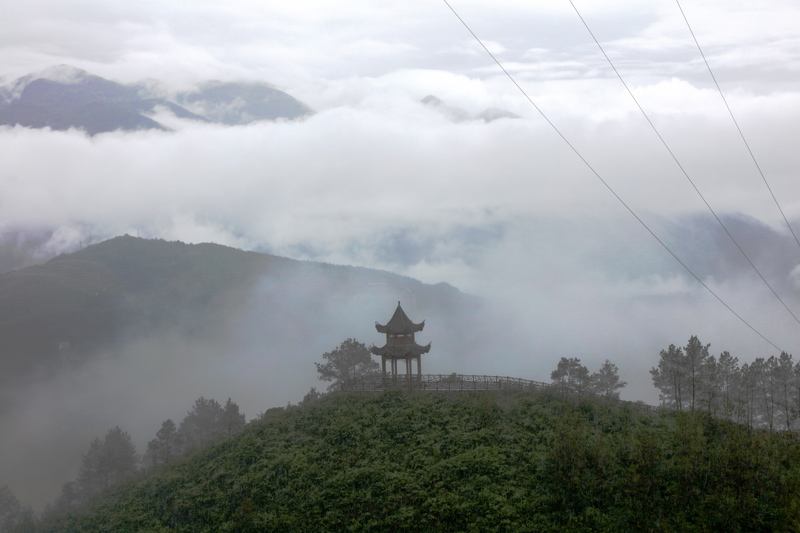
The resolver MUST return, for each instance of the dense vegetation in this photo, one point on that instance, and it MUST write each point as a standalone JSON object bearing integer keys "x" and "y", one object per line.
{"x": 515, "y": 461}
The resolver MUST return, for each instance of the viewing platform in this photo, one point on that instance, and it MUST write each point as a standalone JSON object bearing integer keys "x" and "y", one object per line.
{"x": 443, "y": 382}
{"x": 471, "y": 383}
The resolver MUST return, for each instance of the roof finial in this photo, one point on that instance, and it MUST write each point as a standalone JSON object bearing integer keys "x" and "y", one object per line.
{"x": 398, "y": 303}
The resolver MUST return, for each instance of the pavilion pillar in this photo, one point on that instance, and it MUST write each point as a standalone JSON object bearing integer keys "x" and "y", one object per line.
{"x": 383, "y": 367}
{"x": 419, "y": 367}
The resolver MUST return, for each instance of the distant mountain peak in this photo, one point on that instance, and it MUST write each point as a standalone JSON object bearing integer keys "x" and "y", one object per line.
{"x": 65, "y": 74}
{"x": 494, "y": 113}
{"x": 243, "y": 102}
{"x": 62, "y": 97}
{"x": 453, "y": 113}
{"x": 459, "y": 115}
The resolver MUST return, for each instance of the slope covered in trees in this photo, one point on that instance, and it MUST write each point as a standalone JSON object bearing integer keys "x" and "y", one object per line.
{"x": 487, "y": 462}
{"x": 75, "y": 305}
{"x": 112, "y": 460}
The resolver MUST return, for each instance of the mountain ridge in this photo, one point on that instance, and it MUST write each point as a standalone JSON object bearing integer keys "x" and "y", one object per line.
{"x": 65, "y": 97}
{"x": 126, "y": 287}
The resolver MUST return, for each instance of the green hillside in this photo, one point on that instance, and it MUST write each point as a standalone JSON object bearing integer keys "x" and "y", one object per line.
{"x": 484, "y": 462}
{"x": 94, "y": 297}
{"x": 125, "y": 288}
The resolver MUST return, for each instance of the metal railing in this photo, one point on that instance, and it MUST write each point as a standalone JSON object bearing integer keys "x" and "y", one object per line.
{"x": 443, "y": 382}
{"x": 474, "y": 383}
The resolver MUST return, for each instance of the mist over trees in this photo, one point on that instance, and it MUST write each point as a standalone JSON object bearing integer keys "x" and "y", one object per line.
{"x": 108, "y": 462}
{"x": 114, "y": 459}
{"x": 13, "y": 515}
{"x": 162, "y": 448}
{"x": 764, "y": 393}
{"x": 208, "y": 422}
{"x": 654, "y": 465}
{"x": 574, "y": 380}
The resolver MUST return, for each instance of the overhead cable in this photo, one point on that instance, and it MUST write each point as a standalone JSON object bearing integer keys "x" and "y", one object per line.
{"x": 736, "y": 123}
{"x": 680, "y": 166}
{"x": 597, "y": 175}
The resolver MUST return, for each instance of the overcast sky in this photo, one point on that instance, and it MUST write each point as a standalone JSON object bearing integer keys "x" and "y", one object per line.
{"x": 504, "y": 210}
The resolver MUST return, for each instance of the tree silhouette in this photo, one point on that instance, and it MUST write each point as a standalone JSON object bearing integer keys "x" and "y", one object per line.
{"x": 572, "y": 377}
{"x": 349, "y": 362}
{"x": 606, "y": 383}
{"x": 107, "y": 462}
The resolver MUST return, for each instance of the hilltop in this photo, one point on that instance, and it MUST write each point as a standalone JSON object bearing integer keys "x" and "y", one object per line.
{"x": 516, "y": 461}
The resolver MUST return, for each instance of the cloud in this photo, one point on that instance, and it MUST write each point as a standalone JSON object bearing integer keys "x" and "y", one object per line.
{"x": 375, "y": 163}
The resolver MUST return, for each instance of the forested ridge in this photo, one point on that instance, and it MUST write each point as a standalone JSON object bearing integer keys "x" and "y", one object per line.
{"x": 511, "y": 461}
{"x": 94, "y": 300}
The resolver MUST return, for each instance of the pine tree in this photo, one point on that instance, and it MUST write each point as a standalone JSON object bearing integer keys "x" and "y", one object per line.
{"x": 696, "y": 367}
{"x": 92, "y": 476}
{"x": 350, "y": 361}
{"x": 107, "y": 461}
{"x": 233, "y": 422}
{"x": 670, "y": 377}
{"x": 164, "y": 447}
{"x": 727, "y": 372}
{"x": 572, "y": 377}
{"x": 784, "y": 375}
{"x": 606, "y": 383}
{"x": 121, "y": 459}
{"x": 13, "y": 516}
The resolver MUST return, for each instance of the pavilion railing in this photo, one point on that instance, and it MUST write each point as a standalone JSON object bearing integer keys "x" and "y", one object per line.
{"x": 443, "y": 382}
{"x": 471, "y": 383}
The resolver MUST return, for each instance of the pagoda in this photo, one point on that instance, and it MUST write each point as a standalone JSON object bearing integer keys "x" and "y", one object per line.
{"x": 400, "y": 344}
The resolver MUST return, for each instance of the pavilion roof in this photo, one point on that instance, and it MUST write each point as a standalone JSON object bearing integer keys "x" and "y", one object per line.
{"x": 399, "y": 323}
{"x": 401, "y": 350}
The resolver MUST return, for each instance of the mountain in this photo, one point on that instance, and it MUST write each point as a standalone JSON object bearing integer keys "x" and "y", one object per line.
{"x": 123, "y": 331}
{"x": 519, "y": 461}
{"x": 78, "y": 305}
{"x": 241, "y": 103}
{"x": 459, "y": 115}
{"x": 64, "y": 97}
{"x": 494, "y": 113}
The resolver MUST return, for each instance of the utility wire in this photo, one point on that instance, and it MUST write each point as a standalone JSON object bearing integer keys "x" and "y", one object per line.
{"x": 597, "y": 175}
{"x": 741, "y": 134}
{"x": 674, "y": 158}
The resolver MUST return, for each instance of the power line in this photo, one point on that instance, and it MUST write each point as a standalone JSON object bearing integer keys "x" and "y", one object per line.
{"x": 736, "y": 123}
{"x": 680, "y": 166}
{"x": 597, "y": 175}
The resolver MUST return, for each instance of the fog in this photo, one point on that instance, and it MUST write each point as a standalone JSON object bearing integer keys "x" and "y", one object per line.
{"x": 503, "y": 210}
